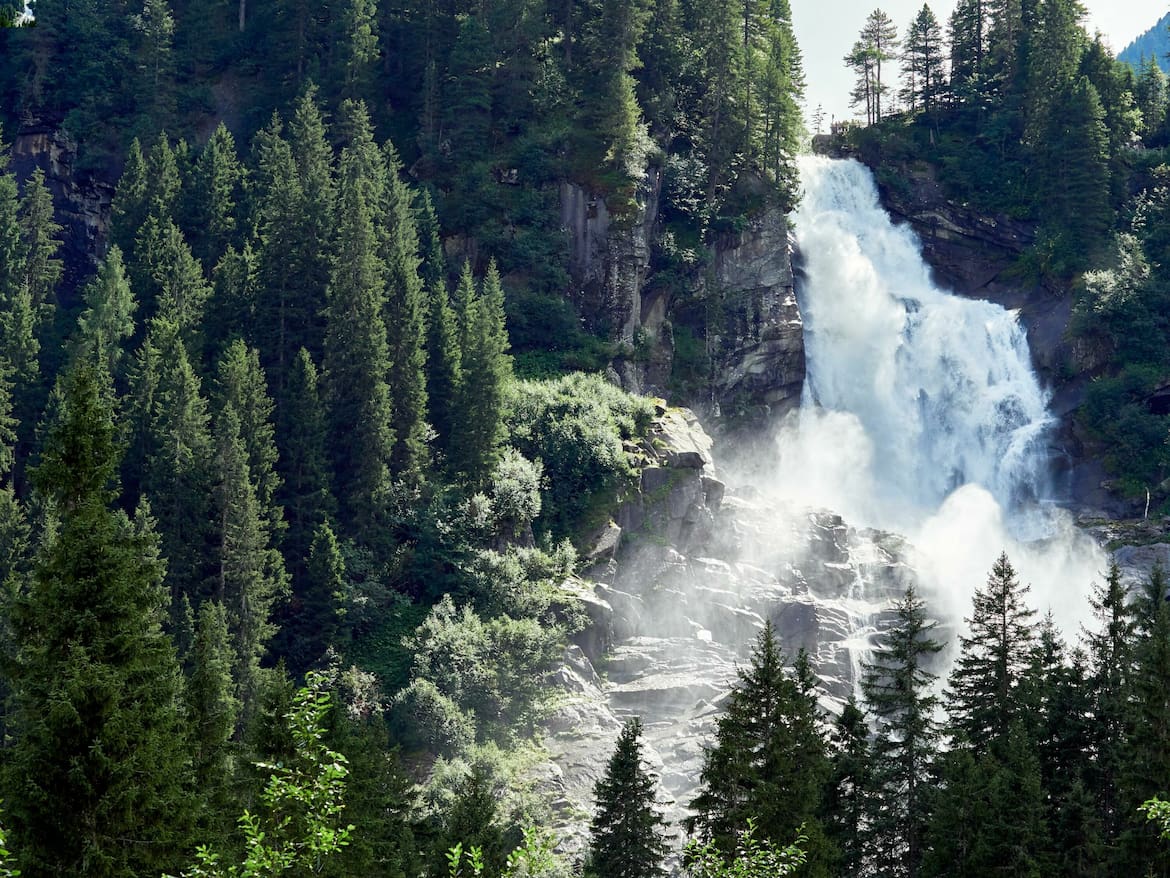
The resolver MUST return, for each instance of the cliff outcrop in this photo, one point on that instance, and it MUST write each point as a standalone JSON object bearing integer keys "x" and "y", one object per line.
{"x": 753, "y": 336}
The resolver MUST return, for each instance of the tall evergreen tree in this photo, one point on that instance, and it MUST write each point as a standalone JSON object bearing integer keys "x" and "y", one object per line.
{"x": 97, "y": 779}
{"x": 1147, "y": 763}
{"x": 39, "y": 237}
{"x": 848, "y": 799}
{"x": 212, "y": 199}
{"x": 769, "y": 762}
{"x": 898, "y": 691}
{"x": 922, "y": 59}
{"x": 250, "y": 576}
{"x": 107, "y": 322}
{"x": 357, "y": 364}
{"x": 303, "y": 464}
{"x": 487, "y": 370}
{"x": 172, "y": 453}
{"x": 985, "y": 695}
{"x": 626, "y": 834}
{"x": 406, "y": 330}
{"x": 1110, "y": 657}
{"x": 212, "y": 709}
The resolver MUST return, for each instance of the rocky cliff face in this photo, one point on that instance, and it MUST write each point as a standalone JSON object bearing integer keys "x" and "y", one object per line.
{"x": 82, "y": 203}
{"x": 686, "y": 576}
{"x": 756, "y": 343}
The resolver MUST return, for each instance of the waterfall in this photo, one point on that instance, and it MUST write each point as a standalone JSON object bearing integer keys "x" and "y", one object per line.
{"x": 921, "y": 412}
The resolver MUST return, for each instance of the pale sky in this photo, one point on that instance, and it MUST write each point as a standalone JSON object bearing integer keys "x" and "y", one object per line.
{"x": 827, "y": 29}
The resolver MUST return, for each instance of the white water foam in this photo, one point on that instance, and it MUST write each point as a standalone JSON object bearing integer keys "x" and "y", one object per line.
{"x": 921, "y": 411}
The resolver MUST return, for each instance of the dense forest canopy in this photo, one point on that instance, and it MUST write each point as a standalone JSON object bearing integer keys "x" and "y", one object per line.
{"x": 296, "y": 463}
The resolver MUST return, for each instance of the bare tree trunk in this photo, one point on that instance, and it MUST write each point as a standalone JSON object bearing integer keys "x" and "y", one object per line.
{"x": 243, "y": 13}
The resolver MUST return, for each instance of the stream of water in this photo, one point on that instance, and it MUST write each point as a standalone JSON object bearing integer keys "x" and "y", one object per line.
{"x": 921, "y": 411}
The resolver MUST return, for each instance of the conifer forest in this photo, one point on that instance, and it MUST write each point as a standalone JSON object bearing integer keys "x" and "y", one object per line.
{"x": 522, "y": 439}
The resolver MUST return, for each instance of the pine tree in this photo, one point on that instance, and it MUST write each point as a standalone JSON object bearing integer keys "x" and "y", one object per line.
{"x": 97, "y": 778}
{"x": 968, "y": 39}
{"x": 406, "y": 330}
{"x": 357, "y": 363}
{"x": 898, "y": 692}
{"x": 847, "y": 800}
{"x": 108, "y": 320}
{"x": 250, "y": 576}
{"x": 626, "y": 834}
{"x": 989, "y": 813}
{"x": 130, "y": 206}
{"x": 1146, "y": 771}
{"x": 173, "y": 281}
{"x": 1075, "y": 180}
{"x": 213, "y": 710}
{"x": 1150, "y": 94}
{"x": 1110, "y": 658}
{"x": 880, "y": 38}
{"x": 172, "y": 452}
{"x": 241, "y": 385}
{"x": 154, "y": 80}
{"x": 922, "y": 59}
{"x": 303, "y": 464}
{"x": 39, "y": 237}
{"x": 985, "y": 697}
{"x": 487, "y": 371}
{"x": 212, "y": 198}
{"x": 315, "y": 616}
{"x": 769, "y": 762}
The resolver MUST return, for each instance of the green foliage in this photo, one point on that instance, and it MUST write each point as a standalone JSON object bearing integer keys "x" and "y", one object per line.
{"x": 575, "y": 426}
{"x": 96, "y": 721}
{"x": 769, "y": 763}
{"x": 302, "y": 802}
{"x": 752, "y": 857}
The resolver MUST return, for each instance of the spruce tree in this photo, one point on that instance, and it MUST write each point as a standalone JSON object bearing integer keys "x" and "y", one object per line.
{"x": 769, "y": 762}
{"x": 250, "y": 576}
{"x": 1110, "y": 656}
{"x": 39, "y": 237}
{"x": 1146, "y": 770}
{"x": 898, "y": 692}
{"x": 107, "y": 322}
{"x": 922, "y": 59}
{"x": 303, "y": 464}
{"x": 487, "y": 371}
{"x": 357, "y": 363}
{"x": 626, "y": 834}
{"x": 242, "y": 385}
{"x": 172, "y": 453}
{"x": 213, "y": 709}
{"x": 406, "y": 330}
{"x": 129, "y": 208}
{"x": 985, "y": 696}
{"x": 316, "y": 610}
{"x": 212, "y": 199}
{"x": 97, "y": 779}
{"x": 848, "y": 796}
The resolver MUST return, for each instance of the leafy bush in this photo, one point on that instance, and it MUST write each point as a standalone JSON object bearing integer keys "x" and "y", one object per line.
{"x": 576, "y": 425}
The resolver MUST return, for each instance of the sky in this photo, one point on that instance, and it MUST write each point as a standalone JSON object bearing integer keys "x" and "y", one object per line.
{"x": 827, "y": 29}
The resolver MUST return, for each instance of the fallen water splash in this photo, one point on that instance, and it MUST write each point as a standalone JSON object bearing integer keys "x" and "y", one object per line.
{"x": 921, "y": 413}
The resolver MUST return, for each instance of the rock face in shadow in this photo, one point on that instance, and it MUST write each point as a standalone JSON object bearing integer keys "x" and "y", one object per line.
{"x": 759, "y": 355}
{"x": 698, "y": 568}
{"x": 81, "y": 203}
{"x": 754, "y": 339}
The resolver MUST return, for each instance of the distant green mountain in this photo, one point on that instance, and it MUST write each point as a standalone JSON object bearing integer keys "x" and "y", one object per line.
{"x": 1155, "y": 41}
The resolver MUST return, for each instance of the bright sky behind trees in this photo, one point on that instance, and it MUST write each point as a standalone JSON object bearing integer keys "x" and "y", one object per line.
{"x": 827, "y": 30}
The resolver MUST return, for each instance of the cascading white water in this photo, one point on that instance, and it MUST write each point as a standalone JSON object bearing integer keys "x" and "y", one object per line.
{"x": 941, "y": 388}
{"x": 921, "y": 411}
